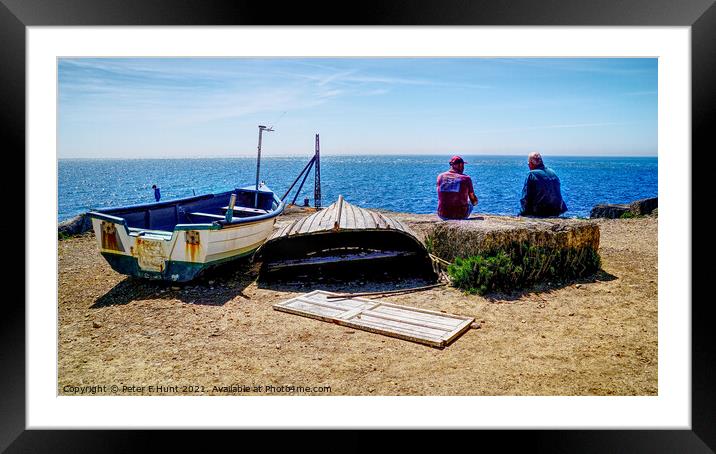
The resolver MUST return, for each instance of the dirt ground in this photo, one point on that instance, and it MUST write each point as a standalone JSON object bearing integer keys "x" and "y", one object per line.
{"x": 220, "y": 336}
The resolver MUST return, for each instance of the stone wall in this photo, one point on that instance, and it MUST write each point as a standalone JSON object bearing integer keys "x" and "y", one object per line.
{"x": 451, "y": 239}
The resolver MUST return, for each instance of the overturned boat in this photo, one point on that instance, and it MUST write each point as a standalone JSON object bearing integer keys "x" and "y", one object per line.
{"x": 179, "y": 239}
{"x": 343, "y": 237}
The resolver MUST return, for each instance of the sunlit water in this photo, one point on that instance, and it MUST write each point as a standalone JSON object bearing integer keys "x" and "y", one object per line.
{"x": 397, "y": 183}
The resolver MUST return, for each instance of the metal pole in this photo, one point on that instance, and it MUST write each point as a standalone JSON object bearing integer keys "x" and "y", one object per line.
{"x": 301, "y": 187}
{"x": 317, "y": 177}
{"x": 258, "y": 167}
{"x": 307, "y": 168}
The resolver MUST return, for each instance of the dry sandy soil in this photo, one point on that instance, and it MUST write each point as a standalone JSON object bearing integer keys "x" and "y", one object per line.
{"x": 596, "y": 336}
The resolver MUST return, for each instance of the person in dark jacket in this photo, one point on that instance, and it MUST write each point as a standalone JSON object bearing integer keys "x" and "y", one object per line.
{"x": 157, "y": 194}
{"x": 541, "y": 194}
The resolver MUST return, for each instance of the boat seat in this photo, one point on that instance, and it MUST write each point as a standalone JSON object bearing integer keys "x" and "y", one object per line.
{"x": 247, "y": 210}
{"x": 207, "y": 215}
{"x": 151, "y": 234}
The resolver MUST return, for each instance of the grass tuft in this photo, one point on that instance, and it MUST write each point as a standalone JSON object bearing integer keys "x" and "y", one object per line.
{"x": 520, "y": 266}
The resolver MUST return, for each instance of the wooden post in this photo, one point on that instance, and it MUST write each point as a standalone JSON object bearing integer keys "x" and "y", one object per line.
{"x": 230, "y": 210}
{"x": 339, "y": 209}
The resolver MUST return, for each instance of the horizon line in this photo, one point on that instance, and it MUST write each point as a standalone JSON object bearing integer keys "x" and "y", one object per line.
{"x": 77, "y": 158}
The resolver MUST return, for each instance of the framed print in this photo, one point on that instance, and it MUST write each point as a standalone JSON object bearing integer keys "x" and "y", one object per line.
{"x": 620, "y": 360}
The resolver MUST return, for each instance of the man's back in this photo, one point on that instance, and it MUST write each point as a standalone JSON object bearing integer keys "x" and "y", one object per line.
{"x": 541, "y": 194}
{"x": 453, "y": 189}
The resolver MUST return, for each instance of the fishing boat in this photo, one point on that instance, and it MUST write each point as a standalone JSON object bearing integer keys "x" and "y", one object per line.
{"x": 343, "y": 237}
{"x": 179, "y": 239}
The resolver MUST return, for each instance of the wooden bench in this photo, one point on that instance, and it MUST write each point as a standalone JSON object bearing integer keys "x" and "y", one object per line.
{"x": 207, "y": 215}
{"x": 247, "y": 210}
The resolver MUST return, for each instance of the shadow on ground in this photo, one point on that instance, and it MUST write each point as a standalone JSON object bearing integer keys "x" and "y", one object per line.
{"x": 215, "y": 288}
{"x": 346, "y": 282}
{"x": 546, "y": 287}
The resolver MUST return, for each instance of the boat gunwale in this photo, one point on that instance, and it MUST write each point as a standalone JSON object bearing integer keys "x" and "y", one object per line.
{"x": 216, "y": 225}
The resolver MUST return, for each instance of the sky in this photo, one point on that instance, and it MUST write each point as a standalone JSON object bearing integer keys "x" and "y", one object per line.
{"x": 211, "y": 107}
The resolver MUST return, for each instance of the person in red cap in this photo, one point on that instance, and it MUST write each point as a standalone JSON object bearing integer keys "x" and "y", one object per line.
{"x": 456, "y": 197}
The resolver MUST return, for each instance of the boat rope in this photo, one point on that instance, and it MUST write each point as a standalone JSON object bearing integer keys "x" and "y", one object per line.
{"x": 435, "y": 258}
{"x": 387, "y": 292}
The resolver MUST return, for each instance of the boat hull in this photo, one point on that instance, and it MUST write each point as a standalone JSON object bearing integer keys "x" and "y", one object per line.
{"x": 177, "y": 256}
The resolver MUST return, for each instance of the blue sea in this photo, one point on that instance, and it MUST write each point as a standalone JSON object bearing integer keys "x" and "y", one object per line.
{"x": 398, "y": 183}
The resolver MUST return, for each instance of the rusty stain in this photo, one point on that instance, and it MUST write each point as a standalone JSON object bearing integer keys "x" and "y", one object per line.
{"x": 192, "y": 244}
{"x": 109, "y": 237}
{"x": 191, "y": 250}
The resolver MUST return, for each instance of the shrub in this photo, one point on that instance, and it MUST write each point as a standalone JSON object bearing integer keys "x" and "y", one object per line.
{"x": 520, "y": 266}
{"x": 627, "y": 215}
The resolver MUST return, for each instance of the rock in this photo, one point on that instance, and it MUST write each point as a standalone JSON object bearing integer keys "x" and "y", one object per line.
{"x": 644, "y": 206}
{"x": 475, "y": 325}
{"x": 96, "y": 325}
{"x": 636, "y": 208}
{"x": 578, "y": 286}
{"x": 451, "y": 239}
{"x": 612, "y": 211}
{"x": 75, "y": 226}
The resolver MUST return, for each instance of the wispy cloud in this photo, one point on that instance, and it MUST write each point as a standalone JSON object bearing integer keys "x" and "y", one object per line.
{"x": 554, "y": 126}
{"x": 179, "y": 103}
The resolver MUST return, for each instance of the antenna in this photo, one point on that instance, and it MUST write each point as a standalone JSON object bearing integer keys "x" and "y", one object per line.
{"x": 277, "y": 120}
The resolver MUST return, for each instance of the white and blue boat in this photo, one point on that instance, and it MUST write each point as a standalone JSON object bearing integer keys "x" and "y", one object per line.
{"x": 179, "y": 239}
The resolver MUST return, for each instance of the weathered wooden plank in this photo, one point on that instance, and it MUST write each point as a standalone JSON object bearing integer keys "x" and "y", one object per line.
{"x": 379, "y": 222}
{"x": 297, "y": 226}
{"x": 350, "y": 216}
{"x": 343, "y": 213}
{"x": 346, "y": 306}
{"x": 351, "y": 221}
{"x": 388, "y": 222}
{"x": 417, "y": 309}
{"x": 464, "y": 326}
{"x": 396, "y": 323}
{"x": 368, "y": 220}
{"x": 399, "y": 317}
{"x": 311, "y": 307}
{"x": 418, "y": 325}
{"x": 316, "y": 221}
{"x": 306, "y": 226}
{"x": 327, "y": 220}
{"x": 281, "y": 231}
{"x": 397, "y": 332}
{"x": 449, "y": 324}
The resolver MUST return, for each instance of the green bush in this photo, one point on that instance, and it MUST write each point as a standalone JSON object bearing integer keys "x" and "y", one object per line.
{"x": 627, "y": 215}
{"x": 520, "y": 266}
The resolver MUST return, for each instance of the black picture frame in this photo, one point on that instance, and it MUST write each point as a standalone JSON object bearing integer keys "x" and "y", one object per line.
{"x": 700, "y": 15}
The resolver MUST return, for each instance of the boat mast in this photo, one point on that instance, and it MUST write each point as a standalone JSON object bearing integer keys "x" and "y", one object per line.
{"x": 258, "y": 163}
